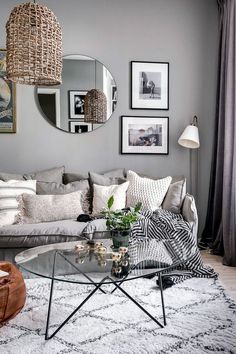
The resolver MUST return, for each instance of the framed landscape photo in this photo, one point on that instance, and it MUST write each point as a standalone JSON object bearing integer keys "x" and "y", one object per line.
{"x": 80, "y": 127}
{"x": 144, "y": 135}
{"x": 149, "y": 85}
{"x": 7, "y": 99}
{"x": 76, "y": 104}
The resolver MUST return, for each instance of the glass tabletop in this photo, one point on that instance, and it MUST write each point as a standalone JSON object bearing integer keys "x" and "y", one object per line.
{"x": 86, "y": 262}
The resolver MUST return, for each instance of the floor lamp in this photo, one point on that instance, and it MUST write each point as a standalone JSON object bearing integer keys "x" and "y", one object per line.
{"x": 190, "y": 139}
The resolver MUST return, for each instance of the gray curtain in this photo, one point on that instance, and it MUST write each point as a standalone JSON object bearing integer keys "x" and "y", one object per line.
{"x": 220, "y": 228}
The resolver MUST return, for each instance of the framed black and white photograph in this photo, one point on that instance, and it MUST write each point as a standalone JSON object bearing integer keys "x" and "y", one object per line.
{"x": 149, "y": 85}
{"x": 144, "y": 135}
{"x": 114, "y": 92}
{"x": 76, "y": 104}
{"x": 80, "y": 127}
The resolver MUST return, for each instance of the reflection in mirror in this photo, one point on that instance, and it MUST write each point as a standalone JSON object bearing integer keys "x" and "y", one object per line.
{"x": 68, "y": 107}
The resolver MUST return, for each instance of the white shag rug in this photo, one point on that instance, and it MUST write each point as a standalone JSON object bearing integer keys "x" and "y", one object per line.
{"x": 201, "y": 318}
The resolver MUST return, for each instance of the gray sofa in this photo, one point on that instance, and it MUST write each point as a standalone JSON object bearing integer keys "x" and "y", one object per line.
{"x": 16, "y": 238}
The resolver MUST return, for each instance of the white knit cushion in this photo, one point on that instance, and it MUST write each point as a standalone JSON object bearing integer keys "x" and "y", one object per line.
{"x": 149, "y": 192}
{"x": 8, "y": 203}
{"x": 101, "y": 194}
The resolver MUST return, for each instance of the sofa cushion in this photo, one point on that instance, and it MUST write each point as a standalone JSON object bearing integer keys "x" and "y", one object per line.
{"x": 8, "y": 176}
{"x": 32, "y": 235}
{"x": 44, "y": 208}
{"x": 44, "y": 188}
{"x": 118, "y": 173}
{"x": 72, "y": 177}
{"x": 103, "y": 193}
{"x": 9, "y": 191}
{"x": 174, "y": 197}
{"x": 51, "y": 175}
{"x": 104, "y": 180}
{"x": 147, "y": 191}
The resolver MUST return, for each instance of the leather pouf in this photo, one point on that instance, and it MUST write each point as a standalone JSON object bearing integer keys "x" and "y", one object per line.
{"x": 12, "y": 292}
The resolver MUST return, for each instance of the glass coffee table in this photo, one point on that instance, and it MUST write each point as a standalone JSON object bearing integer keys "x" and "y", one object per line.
{"x": 95, "y": 263}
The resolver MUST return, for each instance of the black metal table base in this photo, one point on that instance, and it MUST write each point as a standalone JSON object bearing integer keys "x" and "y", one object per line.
{"x": 98, "y": 287}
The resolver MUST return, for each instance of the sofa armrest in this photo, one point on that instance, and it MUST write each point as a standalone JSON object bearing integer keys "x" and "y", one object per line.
{"x": 189, "y": 212}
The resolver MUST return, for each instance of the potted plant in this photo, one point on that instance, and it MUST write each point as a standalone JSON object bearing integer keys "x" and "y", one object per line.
{"x": 120, "y": 222}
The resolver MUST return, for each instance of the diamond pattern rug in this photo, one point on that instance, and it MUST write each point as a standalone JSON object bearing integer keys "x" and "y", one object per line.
{"x": 201, "y": 318}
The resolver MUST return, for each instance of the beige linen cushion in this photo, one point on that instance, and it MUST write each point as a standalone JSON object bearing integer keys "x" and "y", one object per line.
{"x": 147, "y": 191}
{"x": 44, "y": 208}
{"x": 103, "y": 193}
{"x": 9, "y": 191}
{"x": 43, "y": 188}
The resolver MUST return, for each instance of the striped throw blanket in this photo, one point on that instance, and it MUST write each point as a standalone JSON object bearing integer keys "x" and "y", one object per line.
{"x": 171, "y": 229}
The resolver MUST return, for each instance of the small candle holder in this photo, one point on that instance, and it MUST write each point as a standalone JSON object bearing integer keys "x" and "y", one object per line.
{"x": 116, "y": 256}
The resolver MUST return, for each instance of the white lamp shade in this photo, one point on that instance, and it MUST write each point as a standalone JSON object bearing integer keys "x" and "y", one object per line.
{"x": 190, "y": 137}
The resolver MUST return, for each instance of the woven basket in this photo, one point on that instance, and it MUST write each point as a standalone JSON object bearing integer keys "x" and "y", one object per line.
{"x": 95, "y": 107}
{"x": 34, "y": 46}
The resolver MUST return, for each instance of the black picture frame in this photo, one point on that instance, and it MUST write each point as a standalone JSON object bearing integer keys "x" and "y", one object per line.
{"x": 74, "y": 127}
{"x": 144, "y": 104}
{"x": 128, "y": 149}
{"x": 71, "y": 103}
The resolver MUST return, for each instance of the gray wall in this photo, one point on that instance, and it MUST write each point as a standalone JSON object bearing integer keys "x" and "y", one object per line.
{"x": 183, "y": 32}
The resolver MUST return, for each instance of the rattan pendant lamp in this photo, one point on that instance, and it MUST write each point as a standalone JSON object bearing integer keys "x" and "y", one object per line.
{"x": 34, "y": 46}
{"x": 95, "y": 104}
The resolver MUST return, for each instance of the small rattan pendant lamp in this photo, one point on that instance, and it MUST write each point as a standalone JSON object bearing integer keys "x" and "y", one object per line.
{"x": 95, "y": 104}
{"x": 34, "y": 46}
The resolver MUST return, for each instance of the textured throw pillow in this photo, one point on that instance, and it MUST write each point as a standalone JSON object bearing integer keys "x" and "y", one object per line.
{"x": 11, "y": 176}
{"x": 147, "y": 191}
{"x": 51, "y": 175}
{"x": 73, "y": 177}
{"x": 45, "y": 188}
{"x": 175, "y": 196}
{"x": 45, "y": 208}
{"x": 103, "y": 193}
{"x": 9, "y": 191}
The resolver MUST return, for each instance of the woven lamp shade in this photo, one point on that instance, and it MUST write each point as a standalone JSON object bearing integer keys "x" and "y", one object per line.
{"x": 34, "y": 46}
{"x": 95, "y": 107}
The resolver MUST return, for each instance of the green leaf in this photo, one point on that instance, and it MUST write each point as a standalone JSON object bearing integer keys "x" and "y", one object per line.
{"x": 137, "y": 207}
{"x": 110, "y": 202}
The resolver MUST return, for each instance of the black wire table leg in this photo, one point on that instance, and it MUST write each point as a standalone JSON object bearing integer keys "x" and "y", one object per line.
{"x": 51, "y": 295}
{"x": 162, "y": 297}
{"x": 72, "y": 314}
{"x": 141, "y": 307}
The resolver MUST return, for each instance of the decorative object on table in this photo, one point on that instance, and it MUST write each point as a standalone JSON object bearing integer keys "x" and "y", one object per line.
{"x": 120, "y": 266}
{"x": 95, "y": 107}
{"x": 120, "y": 222}
{"x": 76, "y": 104}
{"x": 80, "y": 127}
{"x": 144, "y": 135}
{"x": 34, "y": 46}
{"x": 7, "y": 99}
{"x": 149, "y": 85}
{"x": 12, "y": 292}
{"x": 190, "y": 139}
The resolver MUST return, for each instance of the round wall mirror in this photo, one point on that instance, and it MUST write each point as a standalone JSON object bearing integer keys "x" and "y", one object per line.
{"x": 86, "y": 98}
